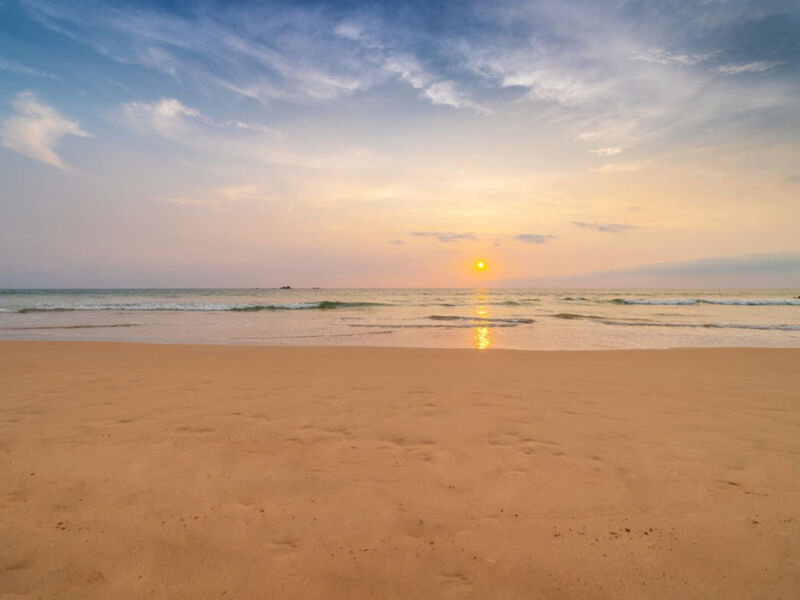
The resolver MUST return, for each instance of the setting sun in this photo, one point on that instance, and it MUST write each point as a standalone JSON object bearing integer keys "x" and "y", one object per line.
{"x": 480, "y": 265}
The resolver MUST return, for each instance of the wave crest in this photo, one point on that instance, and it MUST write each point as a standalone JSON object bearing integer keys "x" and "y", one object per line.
{"x": 693, "y": 301}
{"x": 321, "y": 305}
{"x": 479, "y": 319}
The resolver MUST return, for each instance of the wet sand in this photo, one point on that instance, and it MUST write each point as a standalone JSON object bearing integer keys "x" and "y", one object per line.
{"x": 137, "y": 471}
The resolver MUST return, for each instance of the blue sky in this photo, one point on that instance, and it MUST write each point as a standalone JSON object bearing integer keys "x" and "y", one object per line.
{"x": 355, "y": 143}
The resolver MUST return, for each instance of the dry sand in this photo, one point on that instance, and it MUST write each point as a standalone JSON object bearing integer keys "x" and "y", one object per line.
{"x": 136, "y": 471}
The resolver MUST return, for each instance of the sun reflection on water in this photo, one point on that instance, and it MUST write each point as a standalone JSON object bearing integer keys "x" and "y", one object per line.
{"x": 482, "y": 336}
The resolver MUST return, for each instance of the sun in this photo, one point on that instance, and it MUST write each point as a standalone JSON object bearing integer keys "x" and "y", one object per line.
{"x": 480, "y": 265}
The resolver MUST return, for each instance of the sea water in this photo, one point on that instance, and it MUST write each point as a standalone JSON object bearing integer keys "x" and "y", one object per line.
{"x": 534, "y": 319}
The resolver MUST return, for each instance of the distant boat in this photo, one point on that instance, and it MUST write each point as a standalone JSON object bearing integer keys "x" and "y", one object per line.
{"x": 286, "y": 287}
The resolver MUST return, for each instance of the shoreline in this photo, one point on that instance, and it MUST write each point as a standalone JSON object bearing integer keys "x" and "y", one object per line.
{"x": 197, "y": 470}
{"x": 491, "y": 350}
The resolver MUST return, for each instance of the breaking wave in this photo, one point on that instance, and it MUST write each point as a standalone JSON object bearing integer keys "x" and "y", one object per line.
{"x": 650, "y": 323}
{"x": 692, "y": 301}
{"x": 479, "y": 319}
{"x": 321, "y": 305}
{"x": 703, "y": 325}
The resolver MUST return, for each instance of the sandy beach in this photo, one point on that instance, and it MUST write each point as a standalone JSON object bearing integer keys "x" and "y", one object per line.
{"x": 138, "y": 471}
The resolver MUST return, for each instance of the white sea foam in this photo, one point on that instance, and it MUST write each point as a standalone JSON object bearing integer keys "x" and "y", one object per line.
{"x": 724, "y": 302}
{"x": 757, "y": 327}
{"x": 206, "y": 307}
{"x": 478, "y": 319}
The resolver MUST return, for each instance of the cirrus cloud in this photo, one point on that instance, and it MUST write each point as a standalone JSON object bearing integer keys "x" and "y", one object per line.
{"x": 35, "y": 129}
{"x": 751, "y": 67}
{"x": 605, "y": 151}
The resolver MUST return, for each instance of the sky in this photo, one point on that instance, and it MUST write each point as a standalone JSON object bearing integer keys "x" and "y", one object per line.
{"x": 392, "y": 144}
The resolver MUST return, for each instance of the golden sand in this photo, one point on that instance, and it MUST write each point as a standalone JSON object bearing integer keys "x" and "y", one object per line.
{"x": 133, "y": 471}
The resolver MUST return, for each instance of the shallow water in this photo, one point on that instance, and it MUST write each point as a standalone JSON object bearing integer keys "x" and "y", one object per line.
{"x": 455, "y": 318}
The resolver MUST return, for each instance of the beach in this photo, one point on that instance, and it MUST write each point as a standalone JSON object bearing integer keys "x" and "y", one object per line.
{"x": 205, "y": 471}
{"x": 420, "y": 300}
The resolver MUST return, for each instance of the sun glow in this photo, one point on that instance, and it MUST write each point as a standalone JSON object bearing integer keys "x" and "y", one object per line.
{"x": 480, "y": 265}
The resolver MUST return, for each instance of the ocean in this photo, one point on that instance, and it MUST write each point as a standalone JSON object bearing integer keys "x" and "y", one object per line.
{"x": 528, "y": 319}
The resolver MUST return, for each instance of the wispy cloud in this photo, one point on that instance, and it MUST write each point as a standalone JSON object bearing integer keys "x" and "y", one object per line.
{"x": 605, "y": 227}
{"x": 605, "y": 151}
{"x": 263, "y": 53}
{"x": 12, "y": 66}
{"x": 166, "y": 117}
{"x": 267, "y": 53}
{"x": 599, "y": 68}
{"x": 623, "y": 167}
{"x": 534, "y": 238}
{"x": 405, "y": 66}
{"x": 447, "y": 237}
{"x": 664, "y": 57}
{"x": 447, "y": 94}
{"x": 750, "y": 67}
{"x": 36, "y": 128}
{"x": 613, "y": 74}
{"x": 171, "y": 119}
